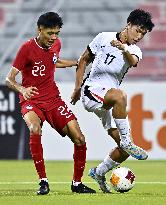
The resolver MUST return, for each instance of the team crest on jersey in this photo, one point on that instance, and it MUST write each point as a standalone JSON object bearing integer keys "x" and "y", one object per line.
{"x": 29, "y": 107}
{"x": 55, "y": 58}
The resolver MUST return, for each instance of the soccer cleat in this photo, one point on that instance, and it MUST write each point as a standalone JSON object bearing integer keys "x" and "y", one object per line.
{"x": 44, "y": 188}
{"x": 101, "y": 180}
{"x": 82, "y": 189}
{"x": 135, "y": 151}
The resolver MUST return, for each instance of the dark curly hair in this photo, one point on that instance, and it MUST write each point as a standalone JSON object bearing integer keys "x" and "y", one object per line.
{"x": 141, "y": 18}
{"x": 50, "y": 20}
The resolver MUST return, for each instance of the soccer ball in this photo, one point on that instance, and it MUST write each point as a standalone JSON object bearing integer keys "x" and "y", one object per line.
{"x": 122, "y": 179}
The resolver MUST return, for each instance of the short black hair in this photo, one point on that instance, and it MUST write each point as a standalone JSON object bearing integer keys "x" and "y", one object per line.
{"x": 141, "y": 18}
{"x": 50, "y": 20}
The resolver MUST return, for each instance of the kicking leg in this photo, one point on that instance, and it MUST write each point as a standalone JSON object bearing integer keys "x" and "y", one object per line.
{"x": 117, "y": 99}
{"x": 112, "y": 160}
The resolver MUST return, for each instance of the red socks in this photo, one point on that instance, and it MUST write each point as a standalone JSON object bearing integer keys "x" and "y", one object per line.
{"x": 37, "y": 154}
{"x": 79, "y": 157}
{"x": 36, "y": 149}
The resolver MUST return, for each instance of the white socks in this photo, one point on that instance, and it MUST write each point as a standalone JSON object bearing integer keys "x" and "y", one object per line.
{"x": 106, "y": 166}
{"x": 124, "y": 130}
{"x": 44, "y": 179}
{"x": 76, "y": 183}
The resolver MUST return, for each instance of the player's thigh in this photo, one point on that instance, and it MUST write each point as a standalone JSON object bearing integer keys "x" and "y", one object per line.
{"x": 33, "y": 122}
{"x": 113, "y": 96}
{"x": 73, "y": 131}
{"x": 33, "y": 116}
{"x": 59, "y": 117}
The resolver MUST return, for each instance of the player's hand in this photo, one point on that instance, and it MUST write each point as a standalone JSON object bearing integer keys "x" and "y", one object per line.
{"x": 75, "y": 96}
{"x": 118, "y": 44}
{"x": 29, "y": 92}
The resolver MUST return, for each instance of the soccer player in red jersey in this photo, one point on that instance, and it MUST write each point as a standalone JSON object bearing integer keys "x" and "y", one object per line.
{"x": 40, "y": 99}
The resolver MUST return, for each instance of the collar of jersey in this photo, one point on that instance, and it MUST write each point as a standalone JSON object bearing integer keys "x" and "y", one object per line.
{"x": 118, "y": 38}
{"x": 46, "y": 49}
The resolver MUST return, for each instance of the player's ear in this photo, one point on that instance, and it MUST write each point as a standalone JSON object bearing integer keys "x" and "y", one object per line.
{"x": 40, "y": 29}
{"x": 129, "y": 25}
{"x": 38, "y": 32}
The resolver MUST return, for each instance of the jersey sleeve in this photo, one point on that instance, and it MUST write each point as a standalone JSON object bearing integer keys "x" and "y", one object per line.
{"x": 21, "y": 58}
{"x": 95, "y": 45}
{"x": 56, "y": 48}
{"x": 136, "y": 51}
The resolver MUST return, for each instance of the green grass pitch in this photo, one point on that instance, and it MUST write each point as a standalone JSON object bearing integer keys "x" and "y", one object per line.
{"x": 19, "y": 182}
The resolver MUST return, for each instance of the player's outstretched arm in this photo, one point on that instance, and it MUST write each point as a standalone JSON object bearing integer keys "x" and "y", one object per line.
{"x": 65, "y": 63}
{"x": 84, "y": 60}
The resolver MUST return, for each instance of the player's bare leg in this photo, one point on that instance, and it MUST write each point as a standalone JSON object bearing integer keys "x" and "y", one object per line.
{"x": 73, "y": 131}
{"x": 117, "y": 99}
{"x": 33, "y": 122}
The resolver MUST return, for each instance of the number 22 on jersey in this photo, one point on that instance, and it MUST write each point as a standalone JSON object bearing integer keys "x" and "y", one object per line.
{"x": 38, "y": 69}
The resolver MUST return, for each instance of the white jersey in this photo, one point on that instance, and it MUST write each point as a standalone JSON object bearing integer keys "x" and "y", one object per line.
{"x": 109, "y": 65}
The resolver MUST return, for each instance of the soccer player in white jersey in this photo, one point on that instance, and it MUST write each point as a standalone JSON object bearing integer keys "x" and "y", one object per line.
{"x": 112, "y": 54}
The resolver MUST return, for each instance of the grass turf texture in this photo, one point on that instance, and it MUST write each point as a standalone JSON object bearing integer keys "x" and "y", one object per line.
{"x": 19, "y": 182}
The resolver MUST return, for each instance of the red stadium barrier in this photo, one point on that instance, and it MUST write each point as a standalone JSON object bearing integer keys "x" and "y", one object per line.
{"x": 1, "y": 16}
{"x": 150, "y": 66}
{"x": 7, "y": 1}
{"x": 156, "y": 40}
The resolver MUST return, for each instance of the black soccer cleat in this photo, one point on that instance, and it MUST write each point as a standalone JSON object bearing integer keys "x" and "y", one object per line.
{"x": 82, "y": 189}
{"x": 44, "y": 188}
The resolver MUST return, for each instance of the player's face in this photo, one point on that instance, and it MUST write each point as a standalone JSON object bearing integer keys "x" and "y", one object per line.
{"x": 135, "y": 33}
{"x": 47, "y": 36}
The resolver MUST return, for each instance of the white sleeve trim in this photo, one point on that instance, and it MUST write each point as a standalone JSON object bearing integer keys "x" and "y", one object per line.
{"x": 16, "y": 68}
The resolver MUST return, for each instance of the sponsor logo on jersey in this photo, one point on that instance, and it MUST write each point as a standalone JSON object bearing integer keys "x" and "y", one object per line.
{"x": 29, "y": 107}
{"x": 54, "y": 59}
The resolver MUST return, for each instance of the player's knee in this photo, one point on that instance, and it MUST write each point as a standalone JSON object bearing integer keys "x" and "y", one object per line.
{"x": 35, "y": 128}
{"x": 116, "y": 96}
{"x": 79, "y": 140}
{"x": 121, "y": 97}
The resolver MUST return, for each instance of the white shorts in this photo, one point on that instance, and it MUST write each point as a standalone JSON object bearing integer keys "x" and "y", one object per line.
{"x": 92, "y": 99}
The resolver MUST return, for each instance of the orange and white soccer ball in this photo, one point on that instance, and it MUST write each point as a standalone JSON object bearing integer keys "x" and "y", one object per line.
{"x": 122, "y": 179}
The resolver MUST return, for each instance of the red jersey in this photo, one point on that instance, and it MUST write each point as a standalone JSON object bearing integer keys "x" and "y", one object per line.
{"x": 37, "y": 66}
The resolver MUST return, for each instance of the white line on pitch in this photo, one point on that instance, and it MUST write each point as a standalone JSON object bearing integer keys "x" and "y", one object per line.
{"x": 157, "y": 182}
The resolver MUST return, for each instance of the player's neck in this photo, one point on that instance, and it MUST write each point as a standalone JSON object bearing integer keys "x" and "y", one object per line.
{"x": 40, "y": 43}
{"x": 123, "y": 36}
